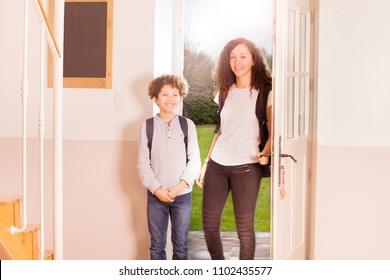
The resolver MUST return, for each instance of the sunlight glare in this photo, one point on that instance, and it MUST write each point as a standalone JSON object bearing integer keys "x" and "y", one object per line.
{"x": 210, "y": 24}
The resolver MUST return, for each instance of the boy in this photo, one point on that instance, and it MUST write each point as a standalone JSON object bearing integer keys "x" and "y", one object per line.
{"x": 168, "y": 167}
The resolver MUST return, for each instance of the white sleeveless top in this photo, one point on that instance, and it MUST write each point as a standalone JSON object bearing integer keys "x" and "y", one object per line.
{"x": 239, "y": 140}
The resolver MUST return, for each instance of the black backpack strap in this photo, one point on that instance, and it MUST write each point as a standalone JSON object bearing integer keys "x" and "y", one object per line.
{"x": 150, "y": 130}
{"x": 149, "y": 133}
{"x": 261, "y": 105}
{"x": 261, "y": 114}
{"x": 184, "y": 128}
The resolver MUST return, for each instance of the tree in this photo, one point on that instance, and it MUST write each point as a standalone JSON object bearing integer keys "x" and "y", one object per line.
{"x": 199, "y": 105}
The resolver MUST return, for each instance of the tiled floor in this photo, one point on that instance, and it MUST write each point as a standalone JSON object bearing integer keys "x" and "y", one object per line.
{"x": 198, "y": 250}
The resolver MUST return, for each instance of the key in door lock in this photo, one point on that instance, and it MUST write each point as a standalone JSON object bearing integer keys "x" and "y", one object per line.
{"x": 282, "y": 191}
{"x": 282, "y": 169}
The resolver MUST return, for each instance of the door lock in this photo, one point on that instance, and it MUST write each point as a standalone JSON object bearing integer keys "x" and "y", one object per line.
{"x": 280, "y": 160}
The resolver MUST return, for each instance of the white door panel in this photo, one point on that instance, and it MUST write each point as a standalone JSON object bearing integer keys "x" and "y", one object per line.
{"x": 291, "y": 74}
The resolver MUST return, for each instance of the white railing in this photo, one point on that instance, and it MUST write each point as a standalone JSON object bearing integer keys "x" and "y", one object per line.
{"x": 41, "y": 130}
{"x": 57, "y": 132}
{"x": 47, "y": 36}
{"x": 24, "y": 117}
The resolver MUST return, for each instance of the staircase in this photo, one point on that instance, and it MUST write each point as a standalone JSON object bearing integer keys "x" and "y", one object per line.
{"x": 24, "y": 245}
{"x": 20, "y": 246}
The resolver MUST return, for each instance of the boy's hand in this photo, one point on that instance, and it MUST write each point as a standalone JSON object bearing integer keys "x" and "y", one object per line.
{"x": 176, "y": 190}
{"x": 163, "y": 195}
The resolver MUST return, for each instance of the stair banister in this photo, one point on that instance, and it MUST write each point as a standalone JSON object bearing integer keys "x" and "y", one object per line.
{"x": 51, "y": 39}
{"x": 46, "y": 36}
{"x": 41, "y": 130}
{"x": 24, "y": 117}
{"x": 56, "y": 48}
{"x": 57, "y": 131}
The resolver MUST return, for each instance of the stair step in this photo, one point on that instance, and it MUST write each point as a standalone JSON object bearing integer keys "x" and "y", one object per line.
{"x": 30, "y": 240}
{"x": 23, "y": 245}
{"x": 6, "y": 199}
{"x": 49, "y": 255}
{"x": 10, "y": 206}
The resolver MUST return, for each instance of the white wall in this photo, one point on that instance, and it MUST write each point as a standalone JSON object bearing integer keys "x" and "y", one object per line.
{"x": 351, "y": 209}
{"x": 354, "y": 72}
{"x": 88, "y": 113}
{"x": 104, "y": 202}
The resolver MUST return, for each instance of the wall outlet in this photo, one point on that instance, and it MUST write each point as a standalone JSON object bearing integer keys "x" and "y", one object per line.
{"x": 121, "y": 105}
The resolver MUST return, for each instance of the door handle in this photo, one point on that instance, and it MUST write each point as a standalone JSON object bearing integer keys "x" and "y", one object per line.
{"x": 281, "y": 155}
{"x": 290, "y": 156}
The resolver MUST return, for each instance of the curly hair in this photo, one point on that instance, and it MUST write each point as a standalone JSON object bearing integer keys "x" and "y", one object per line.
{"x": 224, "y": 77}
{"x": 174, "y": 81}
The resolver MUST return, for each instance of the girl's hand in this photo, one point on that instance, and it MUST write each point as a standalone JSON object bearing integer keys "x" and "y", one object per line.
{"x": 262, "y": 159}
{"x": 200, "y": 179}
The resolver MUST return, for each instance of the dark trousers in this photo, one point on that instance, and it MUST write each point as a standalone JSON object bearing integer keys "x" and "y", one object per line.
{"x": 244, "y": 182}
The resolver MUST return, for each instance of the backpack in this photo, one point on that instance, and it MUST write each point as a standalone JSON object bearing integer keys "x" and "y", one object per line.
{"x": 261, "y": 114}
{"x": 261, "y": 108}
{"x": 150, "y": 131}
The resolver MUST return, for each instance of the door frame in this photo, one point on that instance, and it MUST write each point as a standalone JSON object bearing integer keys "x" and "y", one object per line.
{"x": 177, "y": 39}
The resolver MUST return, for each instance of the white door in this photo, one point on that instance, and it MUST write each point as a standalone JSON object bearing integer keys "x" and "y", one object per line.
{"x": 291, "y": 129}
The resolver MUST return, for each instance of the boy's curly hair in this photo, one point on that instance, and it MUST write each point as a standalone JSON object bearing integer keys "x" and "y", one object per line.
{"x": 174, "y": 81}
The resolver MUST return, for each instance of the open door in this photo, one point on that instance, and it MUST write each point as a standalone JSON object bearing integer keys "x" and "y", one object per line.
{"x": 291, "y": 153}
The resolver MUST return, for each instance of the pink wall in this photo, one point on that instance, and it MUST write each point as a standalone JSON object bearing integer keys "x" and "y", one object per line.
{"x": 352, "y": 145}
{"x": 352, "y": 203}
{"x": 105, "y": 205}
{"x": 104, "y": 202}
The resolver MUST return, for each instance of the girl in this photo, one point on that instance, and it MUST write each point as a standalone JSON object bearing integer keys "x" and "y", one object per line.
{"x": 232, "y": 164}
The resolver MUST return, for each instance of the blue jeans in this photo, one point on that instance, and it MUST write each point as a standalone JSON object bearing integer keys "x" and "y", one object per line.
{"x": 158, "y": 214}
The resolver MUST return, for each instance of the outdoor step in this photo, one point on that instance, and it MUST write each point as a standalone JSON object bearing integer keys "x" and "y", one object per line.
{"x": 197, "y": 248}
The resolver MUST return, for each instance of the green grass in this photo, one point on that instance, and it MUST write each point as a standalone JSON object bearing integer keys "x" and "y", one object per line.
{"x": 262, "y": 218}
